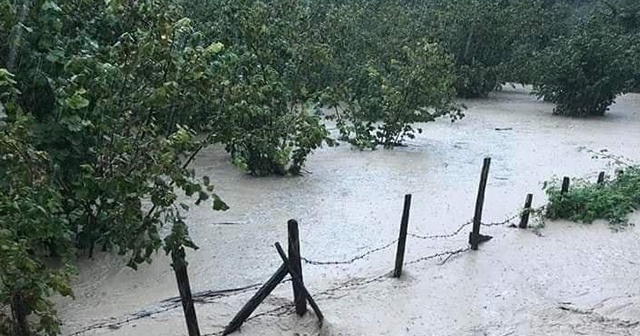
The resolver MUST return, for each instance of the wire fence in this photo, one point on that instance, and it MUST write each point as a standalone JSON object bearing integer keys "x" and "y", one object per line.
{"x": 208, "y": 297}
{"x": 285, "y": 309}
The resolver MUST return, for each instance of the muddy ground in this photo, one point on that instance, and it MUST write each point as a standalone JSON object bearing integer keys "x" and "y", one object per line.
{"x": 572, "y": 279}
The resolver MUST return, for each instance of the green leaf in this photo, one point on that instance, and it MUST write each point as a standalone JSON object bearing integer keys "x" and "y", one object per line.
{"x": 218, "y": 204}
{"x": 49, "y": 4}
{"x": 214, "y": 48}
{"x": 74, "y": 123}
{"x": 77, "y": 101}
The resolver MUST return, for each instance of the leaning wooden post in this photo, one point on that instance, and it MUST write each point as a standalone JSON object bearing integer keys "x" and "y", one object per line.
{"x": 180, "y": 268}
{"x": 601, "y": 178}
{"x": 565, "y": 185}
{"x": 296, "y": 265}
{"x": 474, "y": 237}
{"x": 402, "y": 240}
{"x": 524, "y": 219}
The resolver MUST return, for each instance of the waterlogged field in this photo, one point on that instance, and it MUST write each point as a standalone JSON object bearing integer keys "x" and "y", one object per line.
{"x": 572, "y": 279}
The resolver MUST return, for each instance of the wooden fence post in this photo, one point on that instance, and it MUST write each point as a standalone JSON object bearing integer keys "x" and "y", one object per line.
{"x": 402, "y": 240}
{"x": 180, "y": 268}
{"x": 474, "y": 237}
{"x": 19, "y": 312}
{"x": 296, "y": 264}
{"x": 524, "y": 219}
{"x": 565, "y": 185}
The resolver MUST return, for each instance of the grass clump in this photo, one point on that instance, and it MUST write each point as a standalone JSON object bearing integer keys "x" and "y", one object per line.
{"x": 613, "y": 200}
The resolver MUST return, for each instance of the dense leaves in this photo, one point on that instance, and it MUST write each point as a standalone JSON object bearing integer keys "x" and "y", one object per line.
{"x": 267, "y": 84}
{"x": 384, "y": 74}
{"x": 32, "y": 226}
{"x": 114, "y": 89}
{"x": 479, "y": 35}
{"x": 114, "y": 148}
{"x": 416, "y": 86}
{"x": 584, "y": 71}
{"x": 105, "y": 104}
{"x": 585, "y": 202}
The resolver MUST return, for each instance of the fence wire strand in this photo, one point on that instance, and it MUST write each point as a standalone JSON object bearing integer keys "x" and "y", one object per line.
{"x": 448, "y": 255}
{"x": 352, "y": 260}
{"x": 442, "y": 236}
{"x": 504, "y": 222}
{"x": 414, "y": 235}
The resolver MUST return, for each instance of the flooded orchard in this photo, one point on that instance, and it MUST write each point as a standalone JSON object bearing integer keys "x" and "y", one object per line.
{"x": 571, "y": 279}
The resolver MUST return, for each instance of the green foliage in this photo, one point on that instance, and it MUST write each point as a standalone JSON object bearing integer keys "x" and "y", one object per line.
{"x": 116, "y": 90}
{"x": 416, "y": 86}
{"x": 383, "y": 76}
{"x": 586, "y": 201}
{"x": 36, "y": 243}
{"x": 112, "y": 149}
{"x": 584, "y": 71}
{"x": 263, "y": 117}
{"x": 108, "y": 103}
{"x": 479, "y": 35}
{"x": 536, "y": 24}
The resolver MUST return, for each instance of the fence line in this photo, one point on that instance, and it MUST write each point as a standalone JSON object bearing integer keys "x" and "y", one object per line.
{"x": 326, "y": 294}
{"x": 441, "y": 236}
{"x": 212, "y": 296}
{"x": 289, "y": 308}
{"x": 171, "y": 304}
{"x": 413, "y": 235}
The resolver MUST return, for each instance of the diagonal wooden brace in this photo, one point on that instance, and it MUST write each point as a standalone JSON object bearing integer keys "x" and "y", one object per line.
{"x": 296, "y": 279}
{"x": 255, "y": 301}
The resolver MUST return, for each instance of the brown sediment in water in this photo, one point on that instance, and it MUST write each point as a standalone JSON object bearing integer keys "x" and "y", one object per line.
{"x": 575, "y": 279}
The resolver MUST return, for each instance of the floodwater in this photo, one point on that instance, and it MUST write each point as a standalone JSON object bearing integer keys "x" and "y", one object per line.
{"x": 569, "y": 279}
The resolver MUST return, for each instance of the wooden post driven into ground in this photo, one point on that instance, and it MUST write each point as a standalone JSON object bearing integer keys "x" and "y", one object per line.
{"x": 180, "y": 269}
{"x": 296, "y": 265}
{"x": 474, "y": 236}
{"x": 402, "y": 240}
{"x": 524, "y": 219}
{"x": 565, "y": 185}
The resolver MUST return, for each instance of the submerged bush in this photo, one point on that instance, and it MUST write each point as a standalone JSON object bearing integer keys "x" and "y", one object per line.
{"x": 583, "y": 72}
{"x": 415, "y": 86}
{"x": 266, "y": 84}
{"x": 586, "y": 201}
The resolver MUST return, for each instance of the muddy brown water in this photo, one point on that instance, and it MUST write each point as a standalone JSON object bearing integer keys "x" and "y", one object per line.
{"x": 574, "y": 279}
